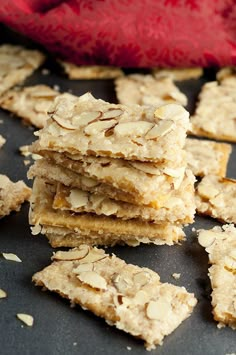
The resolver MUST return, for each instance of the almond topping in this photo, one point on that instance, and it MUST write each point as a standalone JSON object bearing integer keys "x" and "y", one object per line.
{"x": 64, "y": 123}
{"x": 122, "y": 283}
{"x": 111, "y": 114}
{"x": 99, "y": 126}
{"x": 141, "y": 297}
{"x": 74, "y": 254}
{"x": 146, "y": 168}
{"x": 83, "y": 268}
{"x": 88, "y": 182}
{"x": 77, "y": 198}
{"x": 160, "y": 129}
{"x": 12, "y": 257}
{"x": 137, "y": 129}
{"x": 142, "y": 278}
{"x": 206, "y": 239}
{"x": 171, "y": 110}
{"x": 94, "y": 255}
{"x": 26, "y": 318}
{"x": 207, "y": 191}
{"x": 85, "y": 118}
{"x": 93, "y": 279}
{"x": 157, "y": 309}
{"x": 3, "y": 294}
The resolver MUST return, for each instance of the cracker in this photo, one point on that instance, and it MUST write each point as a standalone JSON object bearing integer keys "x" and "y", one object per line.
{"x": 144, "y": 183}
{"x": 180, "y": 210}
{"x": 30, "y": 103}
{"x": 216, "y": 197}
{"x": 220, "y": 244}
{"x": 148, "y": 90}
{"x": 84, "y": 125}
{"x": 215, "y": 113}
{"x": 16, "y": 64}
{"x": 127, "y": 296}
{"x": 112, "y": 230}
{"x": 12, "y": 195}
{"x": 2, "y": 141}
{"x": 207, "y": 157}
{"x": 87, "y": 72}
{"x": 178, "y": 74}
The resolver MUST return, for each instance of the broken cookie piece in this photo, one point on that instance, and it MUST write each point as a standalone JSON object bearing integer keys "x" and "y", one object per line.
{"x": 12, "y": 195}
{"x": 216, "y": 197}
{"x": 16, "y": 64}
{"x": 220, "y": 244}
{"x": 127, "y": 296}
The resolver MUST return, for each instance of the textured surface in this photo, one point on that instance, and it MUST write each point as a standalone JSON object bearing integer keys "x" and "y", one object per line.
{"x": 57, "y": 328}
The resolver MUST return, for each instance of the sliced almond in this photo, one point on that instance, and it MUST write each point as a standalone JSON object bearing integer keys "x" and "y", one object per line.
{"x": 206, "y": 238}
{"x": 146, "y": 168}
{"x": 141, "y": 278}
{"x": 35, "y": 230}
{"x": 94, "y": 255}
{"x": 77, "y": 198}
{"x": 96, "y": 200}
{"x": 171, "y": 111}
{"x": 74, "y": 254}
{"x": 178, "y": 172}
{"x": 207, "y": 191}
{"x": 93, "y": 279}
{"x": 112, "y": 113}
{"x": 157, "y": 310}
{"x": 109, "y": 207}
{"x": 83, "y": 268}
{"x": 11, "y": 257}
{"x": 134, "y": 129}
{"x": 141, "y": 297}
{"x": 160, "y": 130}
{"x": 85, "y": 118}
{"x": 62, "y": 122}
{"x": 99, "y": 126}
{"x": 122, "y": 283}
{"x": 88, "y": 182}
{"x": 3, "y": 293}
{"x": 27, "y": 319}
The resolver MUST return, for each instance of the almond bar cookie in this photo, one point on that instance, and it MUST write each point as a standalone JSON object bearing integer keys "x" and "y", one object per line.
{"x": 216, "y": 197}
{"x": 207, "y": 157}
{"x": 127, "y": 296}
{"x": 30, "y": 103}
{"x": 87, "y": 126}
{"x": 16, "y": 64}
{"x": 144, "y": 183}
{"x": 148, "y": 90}
{"x": 215, "y": 113}
{"x": 12, "y": 195}
{"x": 88, "y": 72}
{"x": 92, "y": 228}
{"x": 178, "y": 74}
{"x": 220, "y": 244}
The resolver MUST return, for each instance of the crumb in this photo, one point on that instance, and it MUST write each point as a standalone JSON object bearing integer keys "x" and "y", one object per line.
{"x": 27, "y": 319}
{"x": 1, "y": 121}
{"x": 12, "y": 257}
{"x": 193, "y": 229}
{"x": 56, "y": 87}
{"x": 129, "y": 348}
{"x": 176, "y": 276}
{"x": 26, "y": 162}
{"x": 3, "y": 293}
{"x": 45, "y": 71}
{"x": 75, "y": 343}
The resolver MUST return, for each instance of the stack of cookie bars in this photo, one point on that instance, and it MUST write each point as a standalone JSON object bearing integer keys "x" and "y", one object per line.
{"x": 111, "y": 174}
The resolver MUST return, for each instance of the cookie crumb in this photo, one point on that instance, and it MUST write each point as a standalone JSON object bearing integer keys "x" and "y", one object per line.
{"x": 45, "y": 71}
{"x": 12, "y": 257}
{"x": 3, "y": 293}
{"x": 75, "y": 343}
{"x": 176, "y": 276}
{"x": 27, "y": 319}
{"x": 129, "y": 348}
{"x": 56, "y": 87}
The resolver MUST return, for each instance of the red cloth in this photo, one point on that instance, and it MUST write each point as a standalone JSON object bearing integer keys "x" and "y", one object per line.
{"x": 129, "y": 33}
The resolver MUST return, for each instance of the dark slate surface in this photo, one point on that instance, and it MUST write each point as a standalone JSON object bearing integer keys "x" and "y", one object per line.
{"x": 59, "y": 329}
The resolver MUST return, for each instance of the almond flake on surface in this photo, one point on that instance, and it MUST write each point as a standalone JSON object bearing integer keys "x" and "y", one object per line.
{"x": 157, "y": 309}
{"x": 27, "y": 319}
{"x": 3, "y": 293}
{"x": 176, "y": 275}
{"x": 112, "y": 113}
{"x": 74, "y": 254}
{"x": 92, "y": 279}
{"x": 12, "y": 257}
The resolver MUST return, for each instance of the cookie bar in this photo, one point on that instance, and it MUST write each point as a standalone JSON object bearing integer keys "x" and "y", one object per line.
{"x": 148, "y": 90}
{"x": 144, "y": 183}
{"x": 12, "y": 195}
{"x": 30, "y": 103}
{"x": 16, "y": 64}
{"x": 180, "y": 210}
{"x": 127, "y": 296}
{"x": 216, "y": 197}
{"x": 95, "y": 229}
{"x": 207, "y": 157}
{"x": 88, "y": 72}
{"x": 215, "y": 113}
{"x": 2, "y": 141}
{"x": 84, "y": 125}
{"x": 178, "y": 74}
{"x": 220, "y": 244}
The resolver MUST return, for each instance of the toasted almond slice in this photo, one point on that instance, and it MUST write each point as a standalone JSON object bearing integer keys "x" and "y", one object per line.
{"x": 157, "y": 309}
{"x": 77, "y": 198}
{"x": 170, "y": 110}
{"x": 142, "y": 278}
{"x": 93, "y": 279}
{"x": 178, "y": 172}
{"x": 146, "y": 168}
{"x": 83, "y": 268}
{"x": 85, "y": 118}
{"x": 207, "y": 191}
{"x": 74, "y": 254}
{"x": 12, "y": 257}
{"x": 27, "y": 319}
{"x": 64, "y": 123}
{"x": 89, "y": 182}
{"x": 141, "y": 297}
{"x": 3, "y": 293}
{"x": 137, "y": 129}
{"x": 121, "y": 282}
{"x": 99, "y": 126}
{"x": 94, "y": 255}
{"x": 161, "y": 129}
{"x": 206, "y": 238}
{"x": 111, "y": 114}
